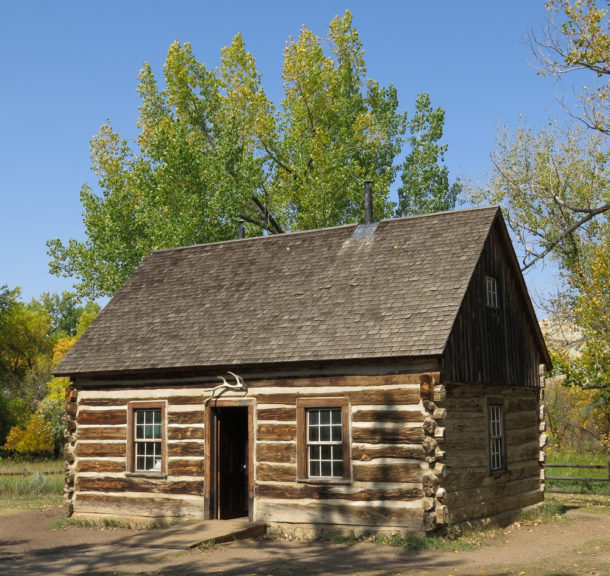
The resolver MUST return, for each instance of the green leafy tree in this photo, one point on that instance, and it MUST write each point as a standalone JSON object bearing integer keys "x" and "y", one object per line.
{"x": 213, "y": 150}
{"x": 32, "y": 338}
{"x": 577, "y": 38}
{"x": 554, "y": 187}
{"x": 425, "y": 181}
{"x": 336, "y": 130}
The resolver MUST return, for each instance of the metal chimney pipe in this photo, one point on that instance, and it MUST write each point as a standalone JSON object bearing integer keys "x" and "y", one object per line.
{"x": 241, "y": 230}
{"x": 368, "y": 202}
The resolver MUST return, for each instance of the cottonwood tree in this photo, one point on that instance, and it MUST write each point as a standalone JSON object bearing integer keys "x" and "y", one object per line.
{"x": 577, "y": 39}
{"x": 213, "y": 150}
{"x": 425, "y": 180}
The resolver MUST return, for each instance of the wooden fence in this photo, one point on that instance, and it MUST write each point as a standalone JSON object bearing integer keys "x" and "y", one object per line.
{"x": 26, "y": 472}
{"x": 578, "y": 478}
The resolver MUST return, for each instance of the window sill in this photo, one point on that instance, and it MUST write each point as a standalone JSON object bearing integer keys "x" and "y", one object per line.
{"x": 500, "y": 473}
{"x": 324, "y": 480}
{"x": 156, "y": 475}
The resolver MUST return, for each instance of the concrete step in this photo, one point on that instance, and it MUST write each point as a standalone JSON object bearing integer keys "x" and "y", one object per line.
{"x": 193, "y": 533}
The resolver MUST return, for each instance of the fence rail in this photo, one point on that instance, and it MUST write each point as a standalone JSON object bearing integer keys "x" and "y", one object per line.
{"x": 30, "y": 472}
{"x": 578, "y": 478}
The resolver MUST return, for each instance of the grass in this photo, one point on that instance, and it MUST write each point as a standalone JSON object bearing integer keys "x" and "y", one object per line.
{"x": 587, "y": 458}
{"x": 40, "y": 487}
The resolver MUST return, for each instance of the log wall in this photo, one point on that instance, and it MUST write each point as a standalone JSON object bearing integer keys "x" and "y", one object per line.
{"x": 418, "y": 453}
{"x": 99, "y": 480}
{"x": 472, "y": 492}
{"x": 388, "y": 424}
{"x": 388, "y": 459}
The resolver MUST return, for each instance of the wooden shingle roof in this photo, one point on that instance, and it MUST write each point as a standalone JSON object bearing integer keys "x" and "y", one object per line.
{"x": 307, "y": 296}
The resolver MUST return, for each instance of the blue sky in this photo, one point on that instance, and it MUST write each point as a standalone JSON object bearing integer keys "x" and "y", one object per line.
{"x": 66, "y": 67}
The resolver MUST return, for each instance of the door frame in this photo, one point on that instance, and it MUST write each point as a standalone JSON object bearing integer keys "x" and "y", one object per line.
{"x": 210, "y": 502}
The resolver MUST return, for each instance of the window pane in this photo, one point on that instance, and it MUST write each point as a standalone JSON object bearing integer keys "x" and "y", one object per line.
{"x": 338, "y": 469}
{"x": 324, "y": 416}
{"x": 314, "y": 433}
{"x": 314, "y": 452}
{"x": 326, "y": 452}
{"x": 313, "y": 416}
{"x": 314, "y": 468}
{"x": 324, "y": 433}
{"x": 336, "y": 434}
{"x": 326, "y": 468}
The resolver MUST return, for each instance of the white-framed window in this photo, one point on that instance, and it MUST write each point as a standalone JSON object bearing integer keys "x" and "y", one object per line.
{"x": 491, "y": 291}
{"x": 147, "y": 438}
{"x": 323, "y": 442}
{"x": 495, "y": 434}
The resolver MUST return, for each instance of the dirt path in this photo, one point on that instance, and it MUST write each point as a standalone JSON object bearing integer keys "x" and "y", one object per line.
{"x": 580, "y": 545}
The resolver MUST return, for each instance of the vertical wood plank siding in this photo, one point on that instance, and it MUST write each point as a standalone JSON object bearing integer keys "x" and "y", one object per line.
{"x": 472, "y": 492}
{"x": 492, "y": 346}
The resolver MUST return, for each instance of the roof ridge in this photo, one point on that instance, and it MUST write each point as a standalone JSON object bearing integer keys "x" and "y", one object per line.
{"x": 326, "y": 229}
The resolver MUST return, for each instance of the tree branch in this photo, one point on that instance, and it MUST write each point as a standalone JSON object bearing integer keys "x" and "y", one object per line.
{"x": 267, "y": 215}
{"x": 589, "y": 215}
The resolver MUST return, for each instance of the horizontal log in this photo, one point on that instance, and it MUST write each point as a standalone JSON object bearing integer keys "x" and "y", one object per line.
{"x": 275, "y": 473}
{"x": 388, "y": 416}
{"x": 276, "y": 453}
{"x": 367, "y": 453}
{"x": 154, "y": 395}
{"x": 100, "y": 449}
{"x": 349, "y": 380}
{"x": 138, "y": 484}
{"x": 186, "y": 467}
{"x": 460, "y": 478}
{"x": 125, "y": 506}
{"x": 185, "y": 449}
{"x": 190, "y": 417}
{"x": 387, "y": 472}
{"x": 102, "y": 433}
{"x": 325, "y": 512}
{"x": 185, "y": 433}
{"x": 275, "y": 432}
{"x": 388, "y": 435}
{"x": 461, "y": 498}
{"x": 277, "y": 414}
{"x": 495, "y": 506}
{"x": 357, "y": 398}
{"x": 329, "y": 492}
{"x": 101, "y": 466}
{"x": 457, "y": 442}
{"x": 102, "y": 417}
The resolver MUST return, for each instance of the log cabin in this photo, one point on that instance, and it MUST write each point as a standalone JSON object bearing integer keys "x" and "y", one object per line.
{"x": 373, "y": 377}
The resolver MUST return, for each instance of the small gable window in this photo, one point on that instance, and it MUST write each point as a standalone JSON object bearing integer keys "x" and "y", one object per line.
{"x": 491, "y": 291}
{"x": 323, "y": 440}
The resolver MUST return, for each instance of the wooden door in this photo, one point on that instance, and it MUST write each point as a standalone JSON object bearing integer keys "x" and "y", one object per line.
{"x": 232, "y": 461}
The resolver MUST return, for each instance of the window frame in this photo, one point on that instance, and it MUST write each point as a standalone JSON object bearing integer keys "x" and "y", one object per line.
{"x": 492, "y": 296}
{"x": 499, "y": 434}
{"x": 303, "y": 406}
{"x": 132, "y": 408}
